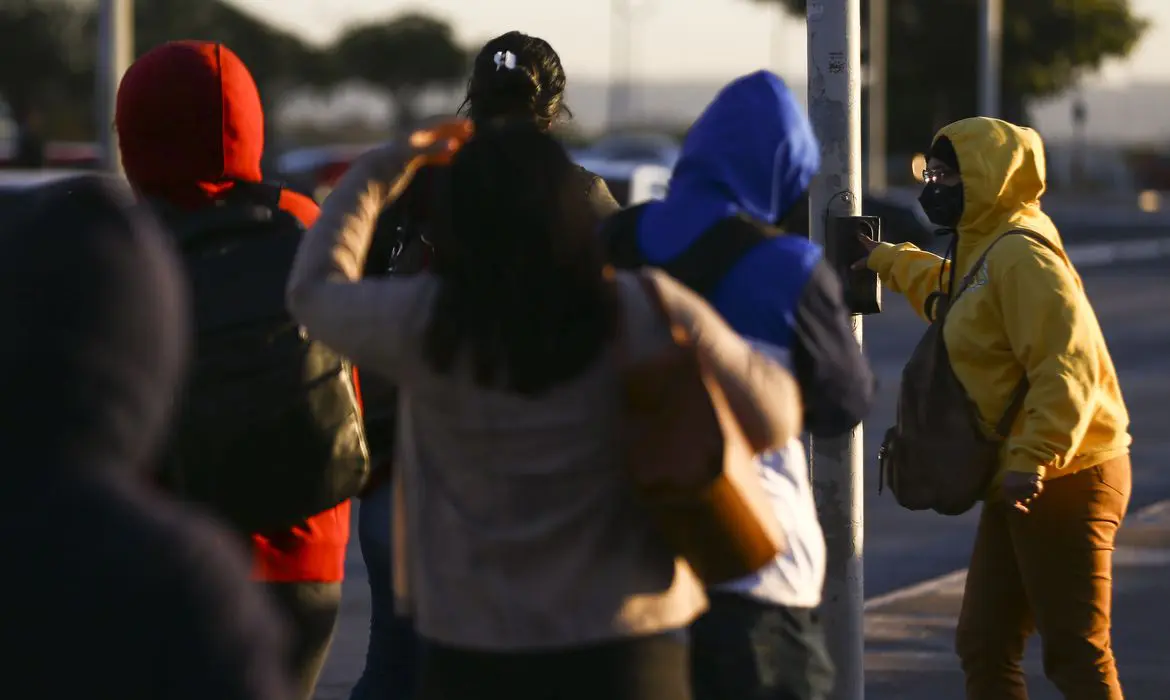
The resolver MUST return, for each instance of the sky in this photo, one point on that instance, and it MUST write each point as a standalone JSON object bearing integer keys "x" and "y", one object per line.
{"x": 675, "y": 39}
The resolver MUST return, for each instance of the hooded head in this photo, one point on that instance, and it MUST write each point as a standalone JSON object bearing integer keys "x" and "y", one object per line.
{"x": 752, "y": 150}
{"x": 189, "y": 123}
{"x": 1003, "y": 177}
{"x": 95, "y": 331}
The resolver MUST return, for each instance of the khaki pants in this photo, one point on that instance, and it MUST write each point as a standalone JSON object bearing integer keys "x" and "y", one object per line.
{"x": 1049, "y": 571}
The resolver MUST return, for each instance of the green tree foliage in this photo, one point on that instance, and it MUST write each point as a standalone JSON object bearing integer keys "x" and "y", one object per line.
{"x": 403, "y": 56}
{"x": 273, "y": 56}
{"x": 50, "y": 48}
{"x": 39, "y": 39}
{"x": 1047, "y": 46}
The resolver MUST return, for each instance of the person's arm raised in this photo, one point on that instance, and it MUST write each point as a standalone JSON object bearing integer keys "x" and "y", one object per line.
{"x": 904, "y": 268}
{"x": 326, "y": 293}
{"x": 762, "y": 393}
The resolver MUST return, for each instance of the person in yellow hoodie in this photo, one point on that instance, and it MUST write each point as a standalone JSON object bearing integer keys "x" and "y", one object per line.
{"x": 1042, "y": 559}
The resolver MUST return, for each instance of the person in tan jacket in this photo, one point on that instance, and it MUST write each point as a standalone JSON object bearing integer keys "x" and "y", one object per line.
{"x": 530, "y": 564}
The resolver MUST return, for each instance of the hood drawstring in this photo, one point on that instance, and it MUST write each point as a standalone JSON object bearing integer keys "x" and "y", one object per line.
{"x": 943, "y": 294}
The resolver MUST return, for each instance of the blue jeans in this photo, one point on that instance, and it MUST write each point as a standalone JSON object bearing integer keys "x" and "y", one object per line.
{"x": 392, "y": 654}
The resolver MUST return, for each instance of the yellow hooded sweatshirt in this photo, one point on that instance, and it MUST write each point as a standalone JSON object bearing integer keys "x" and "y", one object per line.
{"x": 1025, "y": 312}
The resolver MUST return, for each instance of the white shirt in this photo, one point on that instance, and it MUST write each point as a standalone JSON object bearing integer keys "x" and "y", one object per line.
{"x": 796, "y": 578}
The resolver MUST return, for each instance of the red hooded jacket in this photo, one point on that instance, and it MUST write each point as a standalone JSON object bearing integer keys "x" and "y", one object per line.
{"x": 190, "y": 125}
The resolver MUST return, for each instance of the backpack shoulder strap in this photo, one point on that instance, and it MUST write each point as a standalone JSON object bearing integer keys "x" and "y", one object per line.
{"x": 969, "y": 278}
{"x": 250, "y": 205}
{"x": 708, "y": 260}
{"x": 619, "y": 235}
{"x": 1016, "y": 402}
{"x": 703, "y": 264}
{"x": 1015, "y": 405}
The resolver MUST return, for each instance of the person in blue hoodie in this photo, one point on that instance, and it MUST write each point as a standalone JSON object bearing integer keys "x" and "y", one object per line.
{"x": 745, "y": 167}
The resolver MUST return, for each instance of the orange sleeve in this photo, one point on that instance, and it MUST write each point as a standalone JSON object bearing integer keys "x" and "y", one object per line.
{"x": 300, "y": 206}
{"x": 357, "y": 389}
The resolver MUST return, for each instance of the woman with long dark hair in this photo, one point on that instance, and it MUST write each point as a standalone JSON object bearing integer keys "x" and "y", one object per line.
{"x": 526, "y": 561}
{"x": 518, "y": 77}
{"x": 515, "y": 78}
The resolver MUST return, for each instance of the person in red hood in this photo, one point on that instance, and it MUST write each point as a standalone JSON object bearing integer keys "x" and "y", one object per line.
{"x": 190, "y": 127}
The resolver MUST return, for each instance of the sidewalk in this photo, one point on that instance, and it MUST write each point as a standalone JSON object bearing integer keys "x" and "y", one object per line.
{"x": 909, "y": 634}
{"x": 910, "y": 639}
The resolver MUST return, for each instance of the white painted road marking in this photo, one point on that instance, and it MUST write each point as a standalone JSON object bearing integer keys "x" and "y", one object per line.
{"x": 952, "y": 582}
{"x": 1087, "y": 255}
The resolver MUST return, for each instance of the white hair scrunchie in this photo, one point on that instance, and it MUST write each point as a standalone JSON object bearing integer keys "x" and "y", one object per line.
{"x": 505, "y": 59}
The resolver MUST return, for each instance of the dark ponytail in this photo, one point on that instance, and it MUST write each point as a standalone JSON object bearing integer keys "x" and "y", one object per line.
{"x": 516, "y": 76}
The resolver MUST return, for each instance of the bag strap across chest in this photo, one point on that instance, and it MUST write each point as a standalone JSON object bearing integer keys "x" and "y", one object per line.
{"x": 703, "y": 264}
{"x": 946, "y": 302}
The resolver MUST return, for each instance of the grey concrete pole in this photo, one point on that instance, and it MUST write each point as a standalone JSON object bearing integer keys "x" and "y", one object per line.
{"x": 990, "y": 56}
{"x": 115, "y": 52}
{"x": 834, "y": 98}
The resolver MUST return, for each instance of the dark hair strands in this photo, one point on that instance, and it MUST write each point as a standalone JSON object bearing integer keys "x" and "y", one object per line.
{"x": 533, "y": 90}
{"x": 523, "y": 294}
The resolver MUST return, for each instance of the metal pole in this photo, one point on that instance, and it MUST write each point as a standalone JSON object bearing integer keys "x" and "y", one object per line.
{"x": 878, "y": 167}
{"x": 115, "y": 52}
{"x": 1080, "y": 115}
{"x": 834, "y": 101}
{"x": 990, "y": 56}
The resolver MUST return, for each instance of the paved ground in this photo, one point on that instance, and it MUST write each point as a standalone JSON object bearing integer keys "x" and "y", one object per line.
{"x": 909, "y": 641}
{"x": 904, "y": 548}
{"x": 1131, "y": 301}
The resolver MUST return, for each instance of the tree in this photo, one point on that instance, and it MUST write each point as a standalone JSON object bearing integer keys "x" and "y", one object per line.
{"x": 403, "y": 56}
{"x": 274, "y": 57}
{"x": 1047, "y": 46}
{"x": 37, "y": 36}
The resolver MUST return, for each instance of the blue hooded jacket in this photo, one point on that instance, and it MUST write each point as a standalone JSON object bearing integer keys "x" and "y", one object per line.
{"x": 753, "y": 152}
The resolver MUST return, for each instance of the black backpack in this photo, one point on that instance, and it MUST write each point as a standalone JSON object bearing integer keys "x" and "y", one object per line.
{"x": 269, "y": 430}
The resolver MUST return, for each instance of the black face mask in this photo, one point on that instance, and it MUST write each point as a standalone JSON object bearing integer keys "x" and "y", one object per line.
{"x": 943, "y": 204}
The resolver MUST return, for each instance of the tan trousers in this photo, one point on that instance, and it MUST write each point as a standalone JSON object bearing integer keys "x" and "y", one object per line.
{"x": 1049, "y": 571}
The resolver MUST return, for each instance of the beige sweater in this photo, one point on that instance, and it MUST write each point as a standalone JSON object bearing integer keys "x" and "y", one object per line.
{"x": 520, "y": 529}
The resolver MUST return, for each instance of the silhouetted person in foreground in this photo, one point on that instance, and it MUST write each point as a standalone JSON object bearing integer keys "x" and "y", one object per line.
{"x": 110, "y": 590}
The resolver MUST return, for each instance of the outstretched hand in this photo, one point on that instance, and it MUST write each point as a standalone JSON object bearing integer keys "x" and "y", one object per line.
{"x": 869, "y": 244}
{"x": 397, "y": 163}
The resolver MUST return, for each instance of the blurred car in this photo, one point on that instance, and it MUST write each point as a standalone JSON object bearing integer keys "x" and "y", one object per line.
{"x": 67, "y": 155}
{"x": 903, "y": 220}
{"x": 659, "y": 149}
{"x": 629, "y": 182}
{"x": 314, "y": 171}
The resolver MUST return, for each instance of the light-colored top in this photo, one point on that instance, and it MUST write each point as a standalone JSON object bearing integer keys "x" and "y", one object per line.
{"x": 796, "y": 577}
{"x": 521, "y": 530}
